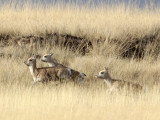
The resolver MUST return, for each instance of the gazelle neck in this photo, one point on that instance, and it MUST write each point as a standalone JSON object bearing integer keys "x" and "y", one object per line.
{"x": 108, "y": 80}
{"x": 33, "y": 70}
{"x": 52, "y": 63}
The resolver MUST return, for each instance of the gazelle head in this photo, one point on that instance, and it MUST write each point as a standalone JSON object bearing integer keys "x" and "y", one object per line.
{"x": 47, "y": 57}
{"x": 103, "y": 74}
{"x": 31, "y": 61}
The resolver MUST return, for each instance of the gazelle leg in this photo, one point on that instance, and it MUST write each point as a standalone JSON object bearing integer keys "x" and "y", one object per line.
{"x": 81, "y": 81}
{"x": 33, "y": 84}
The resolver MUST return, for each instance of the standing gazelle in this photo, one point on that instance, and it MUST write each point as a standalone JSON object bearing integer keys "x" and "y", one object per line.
{"x": 75, "y": 75}
{"x": 115, "y": 84}
{"x": 46, "y": 74}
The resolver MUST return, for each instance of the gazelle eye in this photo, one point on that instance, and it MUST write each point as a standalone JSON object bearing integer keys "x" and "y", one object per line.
{"x": 30, "y": 60}
{"x": 102, "y": 72}
{"x": 45, "y": 56}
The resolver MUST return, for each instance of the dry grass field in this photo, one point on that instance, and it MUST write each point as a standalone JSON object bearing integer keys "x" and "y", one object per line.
{"x": 92, "y": 101}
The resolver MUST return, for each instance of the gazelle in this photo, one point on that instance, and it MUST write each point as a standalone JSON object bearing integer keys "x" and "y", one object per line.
{"x": 46, "y": 74}
{"x": 75, "y": 75}
{"x": 115, "y": 84}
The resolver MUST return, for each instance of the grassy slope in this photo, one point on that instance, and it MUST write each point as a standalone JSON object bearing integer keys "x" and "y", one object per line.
{"x": 121, "y": 27}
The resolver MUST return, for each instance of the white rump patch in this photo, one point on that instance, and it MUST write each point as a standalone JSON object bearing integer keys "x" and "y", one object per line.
{"x": 38, "y": 79}
{"x": 69, "y": 70}
{"x": 82, "y": 75}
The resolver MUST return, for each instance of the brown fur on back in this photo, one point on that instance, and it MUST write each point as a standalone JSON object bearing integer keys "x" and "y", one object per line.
{"x": 125, "y": 84}
{"x": 51, "y": 73}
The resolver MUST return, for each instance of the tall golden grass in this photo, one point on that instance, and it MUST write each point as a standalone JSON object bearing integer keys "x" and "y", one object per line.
{"x": 66, "y": 101}
{"x": 103, "y": 21}
{"x": 121, "y": 25}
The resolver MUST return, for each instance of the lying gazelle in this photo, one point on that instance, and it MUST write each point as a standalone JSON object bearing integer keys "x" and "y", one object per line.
{"x": 46, "y": 74}
{"x": 115, "y": 84}
{"x": 75, "y": 75}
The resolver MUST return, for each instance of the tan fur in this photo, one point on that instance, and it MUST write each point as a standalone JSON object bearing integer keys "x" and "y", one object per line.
{"x": 51, "y": 62}
{"x": 75, "y": 75}
{"x": 115, "y": 84}
{"x": 46, "y": 74}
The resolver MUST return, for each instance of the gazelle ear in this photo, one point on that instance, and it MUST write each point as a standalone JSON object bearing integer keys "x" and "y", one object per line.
{"x": 34, "y": 56}
{"x": 51, "y": 54}
{"x": 106, "y": 69}
{"x": 38, "y": 56}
